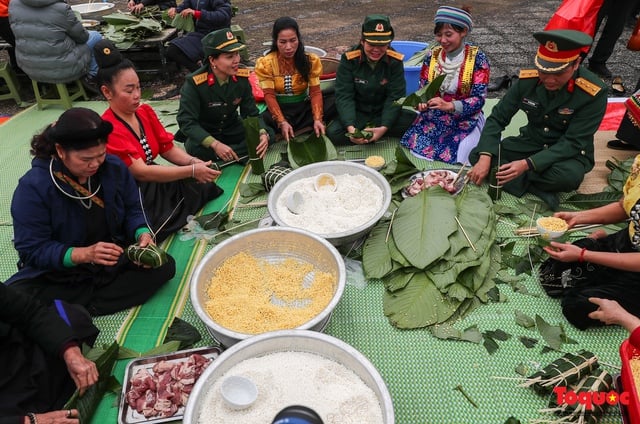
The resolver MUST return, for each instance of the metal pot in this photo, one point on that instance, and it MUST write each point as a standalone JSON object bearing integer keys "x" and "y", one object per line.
{"x": 289, "y": 341}
{"x": 272, "y": 244}
{"x": 335, "y": 168}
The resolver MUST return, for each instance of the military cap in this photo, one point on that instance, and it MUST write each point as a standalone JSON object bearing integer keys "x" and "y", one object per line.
{"x": 220, "y": 41}
{"x": 377, "y": 29}
{"x": 558, "y": 48}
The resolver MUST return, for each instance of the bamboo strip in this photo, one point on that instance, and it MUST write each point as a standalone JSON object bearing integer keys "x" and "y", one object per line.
{"x": 465, "y": 234}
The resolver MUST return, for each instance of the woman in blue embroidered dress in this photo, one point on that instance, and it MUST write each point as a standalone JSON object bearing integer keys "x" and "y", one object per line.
{"x": 449, "y": 125}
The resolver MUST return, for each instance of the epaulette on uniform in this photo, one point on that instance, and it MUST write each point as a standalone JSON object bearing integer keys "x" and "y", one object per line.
{"x": 200, "y": 78}
{"x": 588, "y": 86}
{"x": 396, "y": 55}
{"x": 528, "y": 73}
{"x": 243, "y": 72}
{"x": 353, "y": 54}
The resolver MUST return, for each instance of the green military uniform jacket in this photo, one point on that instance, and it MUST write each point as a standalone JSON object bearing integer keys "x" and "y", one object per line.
{"x": 365, "y": 94}
{"x": 208, "y": 108}
{"x": 560, "y": 126}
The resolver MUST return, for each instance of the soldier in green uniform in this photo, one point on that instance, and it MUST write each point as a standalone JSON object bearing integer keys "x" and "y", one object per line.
{"x": 369, "y": 79}
{"x": 564, "y": 103}
{"x": 209, "y": 99}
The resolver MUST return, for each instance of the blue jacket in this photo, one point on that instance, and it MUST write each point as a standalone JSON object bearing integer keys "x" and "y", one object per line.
{"x": 46, "y": 223}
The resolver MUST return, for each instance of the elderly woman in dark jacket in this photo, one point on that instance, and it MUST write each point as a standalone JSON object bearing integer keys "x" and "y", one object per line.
{"x": 74, "y": 212}
{"x": 209, "y": 15}
{"x": 41, "y": 360}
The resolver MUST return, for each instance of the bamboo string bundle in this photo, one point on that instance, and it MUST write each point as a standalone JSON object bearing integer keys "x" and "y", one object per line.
{"x": 596, "y": 387}
{"x": 564, "y": 371}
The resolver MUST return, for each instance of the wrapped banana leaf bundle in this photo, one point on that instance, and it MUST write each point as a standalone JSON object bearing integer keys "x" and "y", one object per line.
{"x": 564, "y": 371}
{"x": 593, "y": 404}
{"x": 150, "y": 255}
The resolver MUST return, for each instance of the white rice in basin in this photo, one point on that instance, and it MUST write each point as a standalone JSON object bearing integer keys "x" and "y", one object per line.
{"x": 357, "y": 200}
{"x": 335, "y": 392}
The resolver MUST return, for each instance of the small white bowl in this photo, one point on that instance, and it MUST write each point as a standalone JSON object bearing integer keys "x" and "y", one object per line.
{"x": 542, "y": 225}
{"x": 238, "y": 392}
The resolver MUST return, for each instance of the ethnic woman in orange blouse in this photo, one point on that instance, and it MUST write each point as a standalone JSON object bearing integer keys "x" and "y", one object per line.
{"x": 290, "y": 79}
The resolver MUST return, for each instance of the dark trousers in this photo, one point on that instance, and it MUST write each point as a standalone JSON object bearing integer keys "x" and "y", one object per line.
{"x": 628, "y": 131}
{"x": 617, "y": 12}
{"x": 182, "y": 60}
{"x": 7, "y": 35}
{"x": 103, "y": 292}
{"x": 591, "y": 280}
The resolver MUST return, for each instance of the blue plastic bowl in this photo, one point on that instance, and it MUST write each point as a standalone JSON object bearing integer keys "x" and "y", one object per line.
{"x": 411, "y": 73}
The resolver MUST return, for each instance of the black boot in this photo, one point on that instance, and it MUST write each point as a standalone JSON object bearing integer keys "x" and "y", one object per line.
{"x": 499, "y": 83}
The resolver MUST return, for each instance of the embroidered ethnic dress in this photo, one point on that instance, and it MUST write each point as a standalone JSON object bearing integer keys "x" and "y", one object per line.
{"x": 435, "y": 134}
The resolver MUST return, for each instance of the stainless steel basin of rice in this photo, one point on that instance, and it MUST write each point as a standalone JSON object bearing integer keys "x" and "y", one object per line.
{"x": 272, "y": 244}
{"x": 336, "y": 168}
{"x": 198, "y": 410}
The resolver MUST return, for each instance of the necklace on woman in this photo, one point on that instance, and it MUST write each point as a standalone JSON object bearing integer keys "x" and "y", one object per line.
{"x": 77, "y": 188}
{"x": 450, "y": 66}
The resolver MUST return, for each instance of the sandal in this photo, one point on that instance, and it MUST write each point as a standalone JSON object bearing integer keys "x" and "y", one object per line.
{"x": 616, "y": 86}
{"x": 620, "y": 145}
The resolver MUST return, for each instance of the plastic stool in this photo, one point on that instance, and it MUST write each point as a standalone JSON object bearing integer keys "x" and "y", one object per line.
{"x": 239, "y": 33}
{"x": 66, "y": 93}
{"x": 11, "y": 81}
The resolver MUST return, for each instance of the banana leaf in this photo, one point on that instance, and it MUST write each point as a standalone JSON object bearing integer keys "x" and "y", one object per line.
{"x": 594, "y": 200}
{"x": 120, "y": 19}
{"x": 398, "y": 280}
{"x": 423, "y": 95}
{"x": 423, "y": 225}
{"x": 252, "y": 137}
{"x": 182, "y": 332}
{"x": 182, "y": 23}
{"x": 306, "y": 150}
{"x": 88, "y": 402}
{"x": 421, "y": 304}
{"x": 213, "y": 221}
{"x": 376, "y": 260}
{"x": 417, "y": 58}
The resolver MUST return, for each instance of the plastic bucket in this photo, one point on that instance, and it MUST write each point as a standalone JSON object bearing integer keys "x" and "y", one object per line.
{"x": 411, "y": 73}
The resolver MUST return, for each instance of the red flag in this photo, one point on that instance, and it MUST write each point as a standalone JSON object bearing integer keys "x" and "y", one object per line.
{"x": 580, "y": 15}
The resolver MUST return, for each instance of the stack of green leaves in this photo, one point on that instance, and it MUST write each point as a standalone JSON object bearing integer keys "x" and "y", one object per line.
{"x": 436, "y": 256}
{"x": 125, "y": 29}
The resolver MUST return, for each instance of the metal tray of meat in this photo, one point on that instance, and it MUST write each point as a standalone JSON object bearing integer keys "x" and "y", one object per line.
{"x": 129, "y": 415}
{"x": 452, "y": 175}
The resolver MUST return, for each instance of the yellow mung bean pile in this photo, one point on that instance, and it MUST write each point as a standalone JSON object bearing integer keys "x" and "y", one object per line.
{"x": 551, "y": 223}
{"x": 374, "y": 161}
{"x": 242, "y": 289}
{"x": 634, "y": 364}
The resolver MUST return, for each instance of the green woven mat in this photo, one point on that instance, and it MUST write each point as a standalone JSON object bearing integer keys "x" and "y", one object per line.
{"x": 421, "y": 371}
